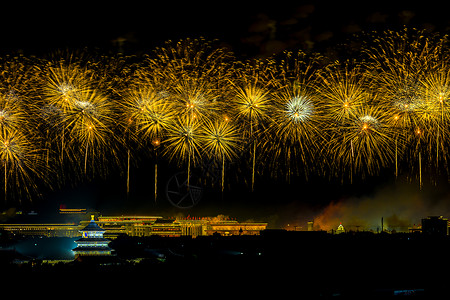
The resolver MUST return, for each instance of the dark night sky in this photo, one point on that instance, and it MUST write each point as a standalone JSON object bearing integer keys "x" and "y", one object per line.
{"x": 250, "y": 30}
{"x": 40, "y": 28}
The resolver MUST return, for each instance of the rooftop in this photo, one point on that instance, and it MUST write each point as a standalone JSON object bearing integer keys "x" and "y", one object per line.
{"x": 92, "y": 226}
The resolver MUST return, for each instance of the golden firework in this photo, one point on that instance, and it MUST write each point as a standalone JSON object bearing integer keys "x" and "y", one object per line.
{"x": 295, "y": 133}
{"x": 251, "y": 102}
{"x": 221, "y": 141}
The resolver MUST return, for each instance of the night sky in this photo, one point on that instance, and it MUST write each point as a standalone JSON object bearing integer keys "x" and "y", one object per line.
{"x": 250, "y": 30}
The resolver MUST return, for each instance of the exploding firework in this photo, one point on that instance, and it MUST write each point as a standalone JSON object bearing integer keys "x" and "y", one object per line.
{"x": 21, "y": 152}
{"x": 436, "y": 114}
{"x": 195, "y": 99}
{"x": 149, "y": 110}
{"x": 364, "y": 144}
{"x": 190, "y": 59}
{"x": 221, "y": 141}
{"x": 345, "y": 90}
{"x": 148, "y": 114}
{"x": 401, "y": 64}
{"x": 80, "y": 117}
{"x": 20, "y": 161}
{"x": 346, "y": 93}
{"x": 183, "y": 142}
{"x": 296, "y": 117}
{"x": 295, "y": 134}
{"x": 251, "y": 102}
{"x": 192, "y": 101}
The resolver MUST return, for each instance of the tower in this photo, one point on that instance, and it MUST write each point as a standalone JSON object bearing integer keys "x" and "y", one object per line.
{"x": 92, "y": 242}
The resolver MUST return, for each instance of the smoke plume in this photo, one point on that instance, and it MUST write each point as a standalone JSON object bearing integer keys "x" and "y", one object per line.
{"x": 400, "y": 205}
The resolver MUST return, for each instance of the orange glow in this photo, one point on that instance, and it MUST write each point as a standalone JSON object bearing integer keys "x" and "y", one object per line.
{"x": 156, "y": 142}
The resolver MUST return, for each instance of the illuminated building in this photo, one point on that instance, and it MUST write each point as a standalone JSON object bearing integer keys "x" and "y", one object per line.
{"x": 227, "y": 228}
{"x": 193, "y": 227}
{"x": 310, "y": 226}
{"x": 169, "y": 228}
{"x": 147, "y": 226}
{"x": 47, "y": 230}
{"x": 129, "y": 225}
{"x": 72, "y": 211}
{"x": 115, "y": 226}
{"x": 92, "y": 242}
{"x": 340, "y": 229}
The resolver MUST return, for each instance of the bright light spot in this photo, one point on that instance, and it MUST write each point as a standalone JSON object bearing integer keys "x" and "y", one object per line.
{"x": 299, "y": 109}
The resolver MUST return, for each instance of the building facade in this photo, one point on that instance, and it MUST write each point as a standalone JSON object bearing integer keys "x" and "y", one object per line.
{"x": 435, "y": 226}
{"x": 45, "y": 230}
{"x": 115, "y": 226}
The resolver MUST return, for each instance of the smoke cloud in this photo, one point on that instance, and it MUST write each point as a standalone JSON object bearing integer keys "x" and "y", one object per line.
{"x": 400, "y": 205}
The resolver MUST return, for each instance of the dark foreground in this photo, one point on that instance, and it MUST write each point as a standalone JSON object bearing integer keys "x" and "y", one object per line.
{"x": 304, "y": 263}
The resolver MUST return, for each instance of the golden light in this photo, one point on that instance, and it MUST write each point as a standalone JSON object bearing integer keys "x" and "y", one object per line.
{"x": 156, "y": 142}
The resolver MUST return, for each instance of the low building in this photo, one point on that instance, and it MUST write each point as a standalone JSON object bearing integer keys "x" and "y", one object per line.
{"x": 233, "y": 227}
{"x": 115, "y": 226}
{"x": 167, "y": 228}
{"x": 435, "y": 226}
{"x": 45, "y": 230}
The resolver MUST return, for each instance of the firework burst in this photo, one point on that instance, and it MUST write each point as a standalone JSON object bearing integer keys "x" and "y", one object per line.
{"x": 149, "y": 114}
{"x": 365, "y": 143}
{"x": 190, "y": 99}
{"x": 355, "y": 127}
{"x": 401, "y": 64}
{"x": 295, "y": 132}
{"x": 183, "y": 142}
{"x": 221, "y": 141}
{"x": 20, "y": 141}
{"x": 251, "y": 102}
{"x": 345, "y": 90}
{"x": 80, "y": 117}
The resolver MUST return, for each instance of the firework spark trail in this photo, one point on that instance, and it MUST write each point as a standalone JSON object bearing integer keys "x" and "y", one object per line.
{"x": 148, "y": 111}
{"x": 183, "y": 143}
{"x": 221, "y": 140}
{"x": 437, "y": 111}
{"x": 406, "y": 66}
{"x": 296, "y": 118}
{"x": 192, "y": 75}
{"x": 21, "y": 153}
{"x": 251, "y": 102}
{"x": 80, "y": 115}
{"x": 346, "y": 92}
{"x": 191, "y": 100}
